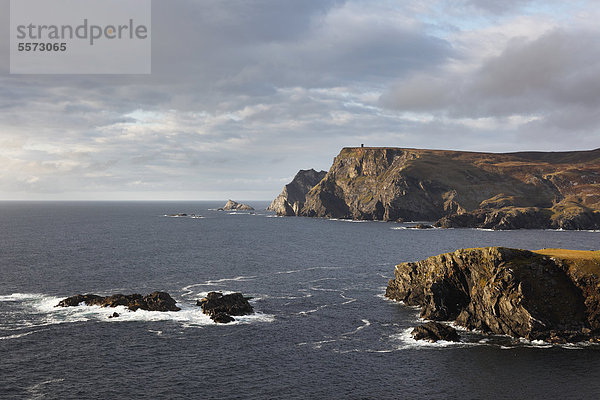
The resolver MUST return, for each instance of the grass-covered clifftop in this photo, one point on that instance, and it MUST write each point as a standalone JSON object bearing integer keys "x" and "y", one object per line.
{"x": 549, "y": 294}
{"x": 462, "y": 189}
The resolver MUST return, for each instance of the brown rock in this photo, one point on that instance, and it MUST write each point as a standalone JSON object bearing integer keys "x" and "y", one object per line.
{"x": 549, "y": 294}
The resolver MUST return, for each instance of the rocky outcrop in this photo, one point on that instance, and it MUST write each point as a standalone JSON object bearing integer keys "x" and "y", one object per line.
{"x": 434, "y": 331}
{"x": 233, "y": 205}
{"x": 221, "y": 307}
{"x": 291, "y": 199}
{"x": 156, "y": 301}
{"x": 550, "y": 294}
{"x": 460, "y": 189}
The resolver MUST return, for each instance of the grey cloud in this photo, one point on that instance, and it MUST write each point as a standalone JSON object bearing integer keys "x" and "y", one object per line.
{"x": 549, "y": 75}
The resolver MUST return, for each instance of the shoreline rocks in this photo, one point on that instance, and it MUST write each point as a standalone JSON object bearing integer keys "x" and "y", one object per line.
{"x": 156, "y": 301}
{"x": 551, "y": 294}
{"x": 434, "y": 331}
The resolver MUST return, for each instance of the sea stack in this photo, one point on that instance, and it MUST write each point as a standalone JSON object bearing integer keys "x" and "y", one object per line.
{"x": 234, "y": 205}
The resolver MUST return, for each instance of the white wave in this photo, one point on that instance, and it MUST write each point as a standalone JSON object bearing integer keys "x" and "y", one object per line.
{"x": 21, "y": 297}
{"x": 44, "y": 308}
{"x": 274, "y": 216}
{"x": 408, "y": 342}
{"x": 366, "y": 323}
{"x": 35, "y": 390}
{"x": 16, "y": 336}
{"x": 347, "y": 220}
{"x": 216, "y": 282}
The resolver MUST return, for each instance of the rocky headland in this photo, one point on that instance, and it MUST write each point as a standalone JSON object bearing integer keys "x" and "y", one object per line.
{"x": 537, "y": 190}
{"x": 550, "y": 294}
{"x": 291, "y": 199}
{"x": 234, "y": 205}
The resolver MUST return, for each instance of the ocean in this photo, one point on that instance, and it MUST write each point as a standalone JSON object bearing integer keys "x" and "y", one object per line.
{"x": 322, "y": 328}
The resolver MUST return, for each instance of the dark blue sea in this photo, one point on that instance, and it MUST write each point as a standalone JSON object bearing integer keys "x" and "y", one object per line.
{"x": 323, "y": 329}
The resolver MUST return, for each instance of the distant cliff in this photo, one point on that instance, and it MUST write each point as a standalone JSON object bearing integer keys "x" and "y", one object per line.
{"x": 549, "y": 294}
{"x": 461, "y": 189}
{"x": 291, "y": 199}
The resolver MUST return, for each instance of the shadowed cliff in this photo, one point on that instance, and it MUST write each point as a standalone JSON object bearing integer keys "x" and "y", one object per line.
{"x": 549, "y": 294}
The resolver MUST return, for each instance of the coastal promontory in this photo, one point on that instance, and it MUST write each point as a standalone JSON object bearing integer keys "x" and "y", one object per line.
{"x": 536, "y": 190}
{"x": 550, "y": 294}
{"x": 291, "y": 199}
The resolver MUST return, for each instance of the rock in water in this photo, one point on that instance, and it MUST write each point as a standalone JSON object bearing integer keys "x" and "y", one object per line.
{"x": 219, "y": 306}
{"x": 156, "y": 301}
{"x": 291, "y": 199}
{"x": 537, "y": 190}
{"x": 233, "y": 205}
{"x": 549, "y": 294}
{"x": 434, "y": 331}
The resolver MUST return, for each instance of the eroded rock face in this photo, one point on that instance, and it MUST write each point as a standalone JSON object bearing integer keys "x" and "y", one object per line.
{"x": 156, "y": 301}
{"x": 291, "y": 199}
{"x": 460, "y": 189}
{"x": 233, "y": 205}
{"x": 221, "y": 307}
{"x": 434, "y": 331}
{"x": 506, "y": 291}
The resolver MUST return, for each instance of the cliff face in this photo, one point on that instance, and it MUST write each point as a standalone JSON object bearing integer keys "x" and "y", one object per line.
{"x": 550, "y": 294}
{"x": 461, "y": 189}
{"x": 291, "y": 199}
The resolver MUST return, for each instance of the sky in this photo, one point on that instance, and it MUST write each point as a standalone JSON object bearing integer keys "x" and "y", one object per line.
{"x": 244, "y": 93}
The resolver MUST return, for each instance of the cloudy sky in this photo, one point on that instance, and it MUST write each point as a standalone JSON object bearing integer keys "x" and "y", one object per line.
{"x": 244, "y": 93}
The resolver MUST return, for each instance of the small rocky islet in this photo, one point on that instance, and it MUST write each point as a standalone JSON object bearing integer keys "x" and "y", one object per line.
{"x": 234, "y": 205}
{"x": 218, "y": 306}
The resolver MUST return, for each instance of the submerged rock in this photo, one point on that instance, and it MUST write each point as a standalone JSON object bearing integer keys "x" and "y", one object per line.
{"x": 550, "y": 294}
{"x": 434, "y": 331}
{"x": 233, "y": 205}
{"x": 156, "y": 301}
{"x": 420, "y": 226}
{"x": 221, "y": 307}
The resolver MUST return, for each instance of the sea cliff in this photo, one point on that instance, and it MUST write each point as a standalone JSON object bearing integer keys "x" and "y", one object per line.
{"x": 291, "y": 199}
{"x": 549, "y": 294}
{"x": 537, "y": 190}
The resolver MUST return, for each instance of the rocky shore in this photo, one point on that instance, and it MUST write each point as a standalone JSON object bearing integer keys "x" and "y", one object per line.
{"x": 550, "y": 294}
{"x": 219, "y": 307}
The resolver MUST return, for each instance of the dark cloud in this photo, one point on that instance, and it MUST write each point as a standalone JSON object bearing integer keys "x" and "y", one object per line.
{"x": 551, "y": 78}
